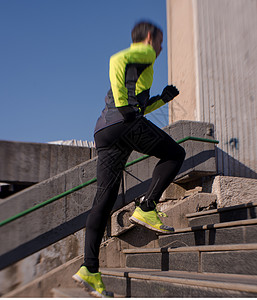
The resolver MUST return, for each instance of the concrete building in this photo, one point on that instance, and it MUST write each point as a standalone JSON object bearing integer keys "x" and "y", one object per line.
{"x": 212, "y": 46}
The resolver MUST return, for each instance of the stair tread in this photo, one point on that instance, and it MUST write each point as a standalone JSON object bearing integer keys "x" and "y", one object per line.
{"x": 221, "y": 210}
{"x": 231, "y": 247}
{"x": 214, "y": 226}
{"x": 71, "y": 293}
{"x": 229, "y": 281}
{"x": 74, "y": 293}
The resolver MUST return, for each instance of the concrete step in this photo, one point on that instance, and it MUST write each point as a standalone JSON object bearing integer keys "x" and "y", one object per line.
{"x": 70, "y": 293}
{"x": 202, "y": 259}
{"x": 226, "y": 214}
{"x": 74, "y": 293}
{"x": 235, "y": 232}
{"x": 151, "y": 283}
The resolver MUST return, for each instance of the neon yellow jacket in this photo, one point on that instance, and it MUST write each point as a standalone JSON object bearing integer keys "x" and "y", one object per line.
{"x": 131, "y": 77}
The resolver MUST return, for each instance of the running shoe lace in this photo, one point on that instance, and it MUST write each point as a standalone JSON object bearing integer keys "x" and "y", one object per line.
{"x": 160, "y": 213}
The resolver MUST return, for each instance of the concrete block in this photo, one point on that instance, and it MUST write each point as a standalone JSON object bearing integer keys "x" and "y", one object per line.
{"x": 29, "y": 163}
{"x": 223, "y": 236}
{"x": 187, "y": 261}
{"x": 183, "y": 128}
{"x": 200, "y": 160}
{"x": 224, "y": 262}
{"x": 173, "y": 192}
{"x": 206, "y": 219}
{"x": 120, "y": 219}
{"x": 196, "y": 238}
{"x": 226, "y": 214}
{"x": 111, "y": 254}
{"x": 139, "y": 237}
{"x": 251, "y": 234}
{"x": 144, "y": 260}
{"x": 212, "y": 236}
{"x": 177, "y": 213}
{"x": 232, "y": 191}
{"x": 203, "y": 129}
{"x": 200, "y": 157}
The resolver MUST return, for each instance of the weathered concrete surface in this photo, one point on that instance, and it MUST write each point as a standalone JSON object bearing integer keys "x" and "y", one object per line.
{"x": 41, "y": 287}
{"x": 231, "y": 191}
{"x": 177, "y": 213}
{"x": 52, "y": 222}
{"x": 240, "y": 212}
{"x": 120, "y": 219}
{"x": 42, "y": 262}
{"x": 70, "y": 293}
{"x": 34, "y": 162}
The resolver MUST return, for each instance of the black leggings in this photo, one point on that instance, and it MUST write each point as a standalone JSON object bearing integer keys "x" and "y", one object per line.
{"x": 114, "y": 145}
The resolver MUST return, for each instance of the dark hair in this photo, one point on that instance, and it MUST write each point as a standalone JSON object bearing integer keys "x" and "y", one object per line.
{"x": 141, "y": 29}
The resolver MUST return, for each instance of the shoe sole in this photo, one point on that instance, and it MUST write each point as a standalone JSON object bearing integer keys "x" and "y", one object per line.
{"x": 136, "y": 221}
{"x": 87, "y": 287}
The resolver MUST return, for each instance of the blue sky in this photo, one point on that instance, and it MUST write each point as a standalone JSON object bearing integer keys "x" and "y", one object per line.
{"x": 54, "y": 58}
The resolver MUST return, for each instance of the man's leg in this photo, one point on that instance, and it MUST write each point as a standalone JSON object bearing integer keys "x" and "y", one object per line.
{"x": 110, "y": 165}
{"x": 171, "y": 157}
{"x": 111, "y": 160}
{"x": 149, "y": 139}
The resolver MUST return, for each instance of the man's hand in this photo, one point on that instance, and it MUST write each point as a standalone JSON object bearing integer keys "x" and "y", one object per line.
{"x": 169, "y": 92}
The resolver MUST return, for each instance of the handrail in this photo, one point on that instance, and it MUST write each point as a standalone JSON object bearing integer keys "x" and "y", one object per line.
{"x": 76, "y": 188}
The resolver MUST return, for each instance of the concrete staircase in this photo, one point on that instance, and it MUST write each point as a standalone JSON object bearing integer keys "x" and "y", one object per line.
{"x": 210, "y": 259}
{"x": 207, "y": 259}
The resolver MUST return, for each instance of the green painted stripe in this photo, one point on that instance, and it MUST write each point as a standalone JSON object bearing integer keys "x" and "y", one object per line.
{"x": 42, "y": 204}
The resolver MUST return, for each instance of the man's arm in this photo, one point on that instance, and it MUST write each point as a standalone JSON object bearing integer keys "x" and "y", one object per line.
{"x": 168, "y": 94}
{"x": 117, "y": 79}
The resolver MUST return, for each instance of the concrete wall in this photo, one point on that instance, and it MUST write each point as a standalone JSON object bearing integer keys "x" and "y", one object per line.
{"x": 212, "y": 60}
{"x": 181, "y": 59}
{"x": 28, "y": 163}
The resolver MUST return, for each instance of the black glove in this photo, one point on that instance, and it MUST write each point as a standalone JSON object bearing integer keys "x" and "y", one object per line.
{"x": 128, "y": 112}
{"x": 168, "y": 93}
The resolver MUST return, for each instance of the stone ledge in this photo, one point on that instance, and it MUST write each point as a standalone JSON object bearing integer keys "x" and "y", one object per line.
{"x": 231, "y": 191}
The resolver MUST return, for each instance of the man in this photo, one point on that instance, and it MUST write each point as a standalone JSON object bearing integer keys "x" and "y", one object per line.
{"x": 122, "y": 128}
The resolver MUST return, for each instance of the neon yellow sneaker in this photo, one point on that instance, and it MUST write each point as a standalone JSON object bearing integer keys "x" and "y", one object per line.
{"x": 150, "y": 220}
{"x": 92, "y": 282}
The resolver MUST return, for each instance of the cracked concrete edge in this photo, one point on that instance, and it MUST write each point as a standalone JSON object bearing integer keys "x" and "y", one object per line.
{"x": 232, "y": 191}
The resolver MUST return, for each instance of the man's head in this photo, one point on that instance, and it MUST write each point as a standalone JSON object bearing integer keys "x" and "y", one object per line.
{"x": 148, "y": 33}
